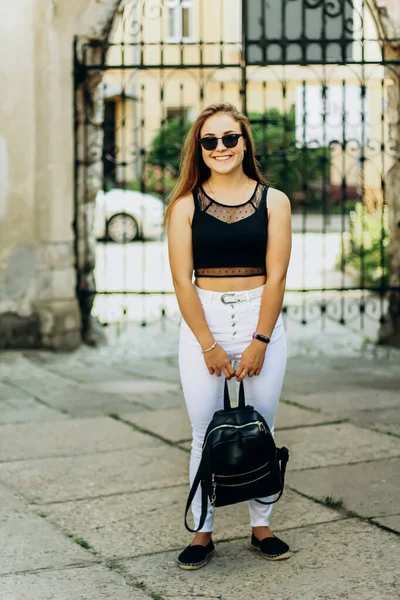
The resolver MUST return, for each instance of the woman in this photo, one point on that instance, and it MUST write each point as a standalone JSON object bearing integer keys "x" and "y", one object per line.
{"x": 227, "y": 225}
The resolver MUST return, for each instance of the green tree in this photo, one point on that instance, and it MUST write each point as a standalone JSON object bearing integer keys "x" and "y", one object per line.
{"x": 287, "y": 165}
{"x": 165, "y": 149}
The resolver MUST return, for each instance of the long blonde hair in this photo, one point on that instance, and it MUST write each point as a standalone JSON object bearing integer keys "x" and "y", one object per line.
{"x": 194, "y": 171}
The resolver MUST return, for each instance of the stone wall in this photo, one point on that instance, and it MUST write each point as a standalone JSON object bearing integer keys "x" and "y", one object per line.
{"x": 38, "y": 300}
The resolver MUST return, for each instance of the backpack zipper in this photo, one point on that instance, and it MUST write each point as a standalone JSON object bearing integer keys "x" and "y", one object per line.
{"x": 214, "y": 486}
{"x": 261, "y": 427}
{"x": 246, "y": 473}
{"x": 245, "y": 483}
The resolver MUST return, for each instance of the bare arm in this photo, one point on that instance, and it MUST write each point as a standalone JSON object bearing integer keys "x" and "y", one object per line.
{"x": 181, "y": 264}
{"x": 277, "y": 260}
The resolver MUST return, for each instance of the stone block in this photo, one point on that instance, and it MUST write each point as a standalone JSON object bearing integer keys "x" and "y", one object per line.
{"x": 69, "y": 438}
{"x": 55, "y": 255}
{"x": 132, "y": 387}
{"x": 293, "y": 416}
{"x": 27, "y": 410}
{"x": 118, "y": 526}
{"x": 343, "y": 403}
{"x": 326, "y": 445}
{"x": 331, "y": 561}
{"x": 368, "y": 489}
{"x": 10, "y": 501}
{"x": 381, "y": 419}
{"x": 19, "y": 332}
{"x": 29, "y": 543}
{"x": 150, "y": 394}
{"x": 83, "y": 403}
{"x": 88, "y": 583}
{"x": 61, "y": 479}
{"x": 392, "y": 522}
{"x": 172, "y": 424}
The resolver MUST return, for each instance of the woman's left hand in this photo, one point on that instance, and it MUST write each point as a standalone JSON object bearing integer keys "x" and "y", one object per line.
{"x": 252, "y": 360}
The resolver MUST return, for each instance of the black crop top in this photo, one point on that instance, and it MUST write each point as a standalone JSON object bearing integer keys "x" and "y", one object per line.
{"x": 230, "y": 241}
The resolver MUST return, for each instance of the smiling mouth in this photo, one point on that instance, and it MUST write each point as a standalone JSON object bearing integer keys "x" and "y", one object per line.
{"x": 221, "y": 158}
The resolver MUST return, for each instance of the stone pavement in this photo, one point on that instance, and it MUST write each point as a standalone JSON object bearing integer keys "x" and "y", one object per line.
{"x": 94, "y": 475}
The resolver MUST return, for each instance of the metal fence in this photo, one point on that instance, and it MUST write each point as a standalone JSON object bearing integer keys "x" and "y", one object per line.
{"x": 313, "y": 77}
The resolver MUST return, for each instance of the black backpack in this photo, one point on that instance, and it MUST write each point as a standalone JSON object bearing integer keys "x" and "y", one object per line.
{"x": 239, "y": 459}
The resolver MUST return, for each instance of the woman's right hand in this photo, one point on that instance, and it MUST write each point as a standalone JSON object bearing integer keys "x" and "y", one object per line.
{"x": 218, "y": 362}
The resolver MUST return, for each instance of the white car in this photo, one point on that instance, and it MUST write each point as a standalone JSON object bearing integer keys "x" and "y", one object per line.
{"x": 126, "y": 215}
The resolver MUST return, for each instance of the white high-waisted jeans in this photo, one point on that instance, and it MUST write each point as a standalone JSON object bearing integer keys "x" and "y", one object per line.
{"x": 232, "y": 325}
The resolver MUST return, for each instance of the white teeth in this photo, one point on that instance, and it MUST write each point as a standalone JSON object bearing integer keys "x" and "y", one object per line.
{"x": 221, "y": 157}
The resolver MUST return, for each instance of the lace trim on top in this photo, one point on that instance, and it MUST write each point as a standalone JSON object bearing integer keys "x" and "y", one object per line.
{"x": 226, "y": 213}
{"x": 230, "y": 272}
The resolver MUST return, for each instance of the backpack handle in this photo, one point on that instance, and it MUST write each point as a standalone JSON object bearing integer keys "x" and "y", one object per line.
{"x": 227, "y": 402}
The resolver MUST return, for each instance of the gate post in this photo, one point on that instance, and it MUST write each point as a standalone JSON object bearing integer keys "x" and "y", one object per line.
{"x": 89, "y": 114}
{"x": 389, "y": 332}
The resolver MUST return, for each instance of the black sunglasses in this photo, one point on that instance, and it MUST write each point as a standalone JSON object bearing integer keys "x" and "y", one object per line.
{"x": 230, "y": 141}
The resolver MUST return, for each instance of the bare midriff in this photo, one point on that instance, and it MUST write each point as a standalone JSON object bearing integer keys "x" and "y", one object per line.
{"x": 230, "y": 284}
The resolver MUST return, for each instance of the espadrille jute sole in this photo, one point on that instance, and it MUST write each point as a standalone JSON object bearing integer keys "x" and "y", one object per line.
{"x": 194, "y": 567}
{"x": 284, "y": 556}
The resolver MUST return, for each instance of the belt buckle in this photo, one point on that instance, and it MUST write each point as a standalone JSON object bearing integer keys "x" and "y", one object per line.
{"x": 229, "y": 301}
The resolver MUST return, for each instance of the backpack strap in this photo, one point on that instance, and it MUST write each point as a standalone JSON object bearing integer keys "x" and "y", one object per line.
{"x": 204, "y": 500}
{"x": 283, "y": 457}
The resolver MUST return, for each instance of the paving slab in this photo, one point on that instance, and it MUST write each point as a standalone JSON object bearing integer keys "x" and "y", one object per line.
{"x": 86, "y": 403}
{"x": 305, "y": 375}
{"x": 335, "y": 444}
{"x": 330, "y": 561}
{"x": 68, "y": 438}
{"x": 27, "y": 410}
{"x": 60, "y": 479}
{"x": 132, "y": 387}
{"x": 293, "y": 416}
{"x": 33, "y": 380}
{"x": 148, "y": 394}
{"x": 10, "y": 392}
{"x": 392, "y": 522}
{"x": 369, "y": 488}
{"x": 174, "y": 424}
{"x": 343, "y": 403}
{"x": 10, "y": 501}
{"x": 380, "y": 419}
{"x": 160, "y": 369}
{"x": 90, "y": 583}
{"x": 118, "y": 526}
{"x": 171, "y": 424}
{"x": 29, "y": 543}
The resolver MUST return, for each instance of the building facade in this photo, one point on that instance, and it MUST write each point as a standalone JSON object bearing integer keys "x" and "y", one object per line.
{"x": 47, "y": 255}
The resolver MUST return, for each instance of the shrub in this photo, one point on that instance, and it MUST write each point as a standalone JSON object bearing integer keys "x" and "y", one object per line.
{"x": 165, "y": 149}
{"x": 366, "y": 251}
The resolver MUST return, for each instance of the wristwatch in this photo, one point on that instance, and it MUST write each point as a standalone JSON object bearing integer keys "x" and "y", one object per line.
{"x": 262, "y": 338}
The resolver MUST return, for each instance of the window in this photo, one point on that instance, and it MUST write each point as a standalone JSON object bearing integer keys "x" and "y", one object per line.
{"x": 180, "y": 20}
{"x": 186, "y": 113}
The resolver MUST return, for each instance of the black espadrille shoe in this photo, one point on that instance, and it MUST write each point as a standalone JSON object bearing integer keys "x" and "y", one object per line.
{"x": 271, "y": 548}
{"x": 195, "y": 557}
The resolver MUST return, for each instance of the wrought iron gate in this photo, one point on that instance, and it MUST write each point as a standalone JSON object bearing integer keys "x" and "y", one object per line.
{"x": 313, "y": 77}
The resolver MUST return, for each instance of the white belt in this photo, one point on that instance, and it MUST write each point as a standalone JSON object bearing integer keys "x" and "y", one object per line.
{"x": 230, "y": 297}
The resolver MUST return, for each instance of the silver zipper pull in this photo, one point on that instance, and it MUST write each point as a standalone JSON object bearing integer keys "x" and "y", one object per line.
{"x": 261, "y": 426}
{"x": 214, "y": 489}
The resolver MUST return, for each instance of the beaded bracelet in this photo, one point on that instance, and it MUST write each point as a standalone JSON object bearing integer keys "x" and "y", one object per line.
{"x": 211, "y": 348}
